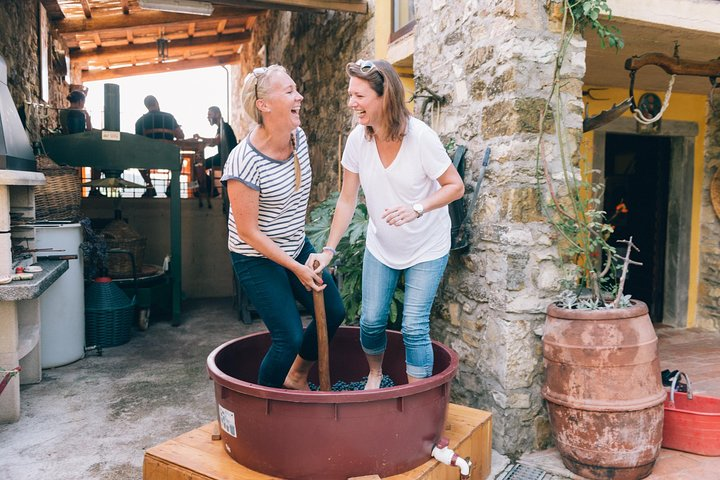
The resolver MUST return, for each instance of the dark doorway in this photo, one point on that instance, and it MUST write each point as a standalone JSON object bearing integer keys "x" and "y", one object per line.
{"x": 637, "y": 175}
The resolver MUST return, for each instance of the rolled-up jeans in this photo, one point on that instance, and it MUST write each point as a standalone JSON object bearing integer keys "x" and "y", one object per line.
{"x": 378, "y": 286}
{"x": 273, "y": 290}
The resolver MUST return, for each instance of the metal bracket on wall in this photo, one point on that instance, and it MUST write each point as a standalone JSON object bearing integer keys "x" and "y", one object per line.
{"x": 429, "y": 98}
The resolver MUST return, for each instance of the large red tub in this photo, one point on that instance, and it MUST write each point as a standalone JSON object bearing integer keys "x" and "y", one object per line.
{"x": 330, "y": 435}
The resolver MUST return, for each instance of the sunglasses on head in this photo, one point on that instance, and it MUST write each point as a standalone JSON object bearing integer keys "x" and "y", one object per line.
{"x": 257, "y": 73}
{"x": 366, "y": 66}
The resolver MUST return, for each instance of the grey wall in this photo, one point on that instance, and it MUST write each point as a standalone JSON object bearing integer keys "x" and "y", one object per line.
{"x": 19, "y": 45}
{"x": 708, "y": 312}
{"x": 493, "y": 61}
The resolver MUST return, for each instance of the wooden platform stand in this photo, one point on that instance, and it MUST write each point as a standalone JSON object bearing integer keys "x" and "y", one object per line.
{"x": 196, "y": 456}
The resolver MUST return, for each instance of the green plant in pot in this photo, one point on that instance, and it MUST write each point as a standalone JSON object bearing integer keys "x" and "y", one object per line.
{"x": 602, "y": 374}
{"x": 576, "y": 210}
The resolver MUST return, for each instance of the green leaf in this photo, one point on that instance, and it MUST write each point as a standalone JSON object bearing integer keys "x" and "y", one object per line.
{"x": 393, "y": 313}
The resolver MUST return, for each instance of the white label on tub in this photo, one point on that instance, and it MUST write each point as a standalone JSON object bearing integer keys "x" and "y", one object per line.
{"x": 227, "y": 420}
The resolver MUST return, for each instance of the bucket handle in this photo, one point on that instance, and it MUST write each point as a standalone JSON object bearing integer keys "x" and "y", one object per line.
{"x": 8, "y": 374}
{"x": 675, "y": 380}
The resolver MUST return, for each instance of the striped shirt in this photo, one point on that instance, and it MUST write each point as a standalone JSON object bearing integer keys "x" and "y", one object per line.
{"x": 281, "y": 210}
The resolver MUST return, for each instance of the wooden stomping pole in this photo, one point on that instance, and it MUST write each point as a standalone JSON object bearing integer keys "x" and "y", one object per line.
{"x": 322, "y": 338}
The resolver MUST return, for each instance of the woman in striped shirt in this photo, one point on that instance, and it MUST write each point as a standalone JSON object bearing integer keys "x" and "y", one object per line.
{"x": 268, "y": 179}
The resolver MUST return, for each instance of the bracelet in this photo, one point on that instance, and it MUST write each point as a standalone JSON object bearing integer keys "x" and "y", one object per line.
{"x": 330, "y": 249}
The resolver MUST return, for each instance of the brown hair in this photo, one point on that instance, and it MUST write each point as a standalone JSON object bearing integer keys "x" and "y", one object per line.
{"x": 385, "y": 81}
{"x": 76, "y": 96}
{"x": 257, "y": 82}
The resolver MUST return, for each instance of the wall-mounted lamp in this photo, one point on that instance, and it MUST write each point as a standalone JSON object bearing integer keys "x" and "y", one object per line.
{"x": 191, "y": 7}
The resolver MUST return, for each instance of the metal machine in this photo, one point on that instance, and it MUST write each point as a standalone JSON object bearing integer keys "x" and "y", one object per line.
{"x": 112, "y": 150}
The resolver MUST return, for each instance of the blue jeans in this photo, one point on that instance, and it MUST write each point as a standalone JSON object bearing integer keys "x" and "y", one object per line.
{"x": 378, "y": 285}
{"x": 273, "y": 290}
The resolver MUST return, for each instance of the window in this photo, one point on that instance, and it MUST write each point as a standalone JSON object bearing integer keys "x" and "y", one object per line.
{"x": 403, "y": 18}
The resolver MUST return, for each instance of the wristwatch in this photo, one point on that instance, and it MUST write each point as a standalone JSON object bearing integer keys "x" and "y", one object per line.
{"x": 418, "y": 208}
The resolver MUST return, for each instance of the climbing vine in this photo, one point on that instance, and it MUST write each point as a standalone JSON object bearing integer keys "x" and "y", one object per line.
{"x": 587, "y": 13}
{"x": 576, "y": 213}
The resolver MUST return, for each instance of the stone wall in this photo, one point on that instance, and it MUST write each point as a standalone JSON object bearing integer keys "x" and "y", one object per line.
{"x": 708, "y": 312}
{"x": 314, "y": 47}
{"x": 19, "y": 24}
{"x": 493, "y": 61}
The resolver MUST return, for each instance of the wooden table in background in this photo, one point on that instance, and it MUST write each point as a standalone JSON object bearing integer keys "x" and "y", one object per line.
{"x": 195, "y": 456}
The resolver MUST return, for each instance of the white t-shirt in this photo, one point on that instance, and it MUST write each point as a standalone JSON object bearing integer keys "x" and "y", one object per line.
{"x": 411, "y": 178}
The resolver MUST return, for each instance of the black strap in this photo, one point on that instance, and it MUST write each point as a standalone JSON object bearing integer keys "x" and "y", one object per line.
{"x": 458, "y": 159}
{"x": 459, "y": 155}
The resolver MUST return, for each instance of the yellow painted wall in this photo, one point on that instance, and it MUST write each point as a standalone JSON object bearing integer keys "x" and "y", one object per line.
{"x": 383, "y": 19}
{"x": 406, "y": 76}
{"x": 683, "y": 107}
{"x": 383, "y": 26}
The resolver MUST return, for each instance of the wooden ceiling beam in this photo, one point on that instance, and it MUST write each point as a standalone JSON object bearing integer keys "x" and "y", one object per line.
{"x": 355, "y": 6}
{"x": 53, "y": 9}
{"x": 101, "y": 54}
{"x": 112, "y": 73}
{"x": 86, "y": 8}
{"x": 144, "y": 18}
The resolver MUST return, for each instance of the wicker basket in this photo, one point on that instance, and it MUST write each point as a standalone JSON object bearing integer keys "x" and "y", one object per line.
{"x": 119, "y": 235}
{"x": 59, "y": 198}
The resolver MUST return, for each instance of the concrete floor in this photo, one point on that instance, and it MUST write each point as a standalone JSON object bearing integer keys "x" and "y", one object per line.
{"x": 94, "y": 418}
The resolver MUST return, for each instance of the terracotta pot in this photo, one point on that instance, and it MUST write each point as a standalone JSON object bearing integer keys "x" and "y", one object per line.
{"x": 603, "y": 390}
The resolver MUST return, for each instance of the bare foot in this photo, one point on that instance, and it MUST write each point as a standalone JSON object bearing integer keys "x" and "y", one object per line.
{"x": 296, "y": 383}
{"x": 374, "y": 380}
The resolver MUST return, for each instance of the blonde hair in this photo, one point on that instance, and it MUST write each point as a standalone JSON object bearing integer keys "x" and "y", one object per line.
{"x": 255, "y": 87}
{"x": 385, "y": 81}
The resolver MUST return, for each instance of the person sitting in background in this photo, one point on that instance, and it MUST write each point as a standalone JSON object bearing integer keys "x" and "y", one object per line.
{"x": 78, "y": 119}
{"x": 75, "y": 119}
{"x": 224, "y": 139}
{"x": 159, "y": 125}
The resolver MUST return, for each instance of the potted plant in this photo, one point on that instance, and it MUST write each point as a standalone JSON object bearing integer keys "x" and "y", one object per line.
{"x": 602, "y": 374}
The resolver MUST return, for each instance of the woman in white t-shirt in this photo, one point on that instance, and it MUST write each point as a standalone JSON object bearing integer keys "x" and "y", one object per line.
{"x": 268, "y": 180}
{"x": 408, "y": 181}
